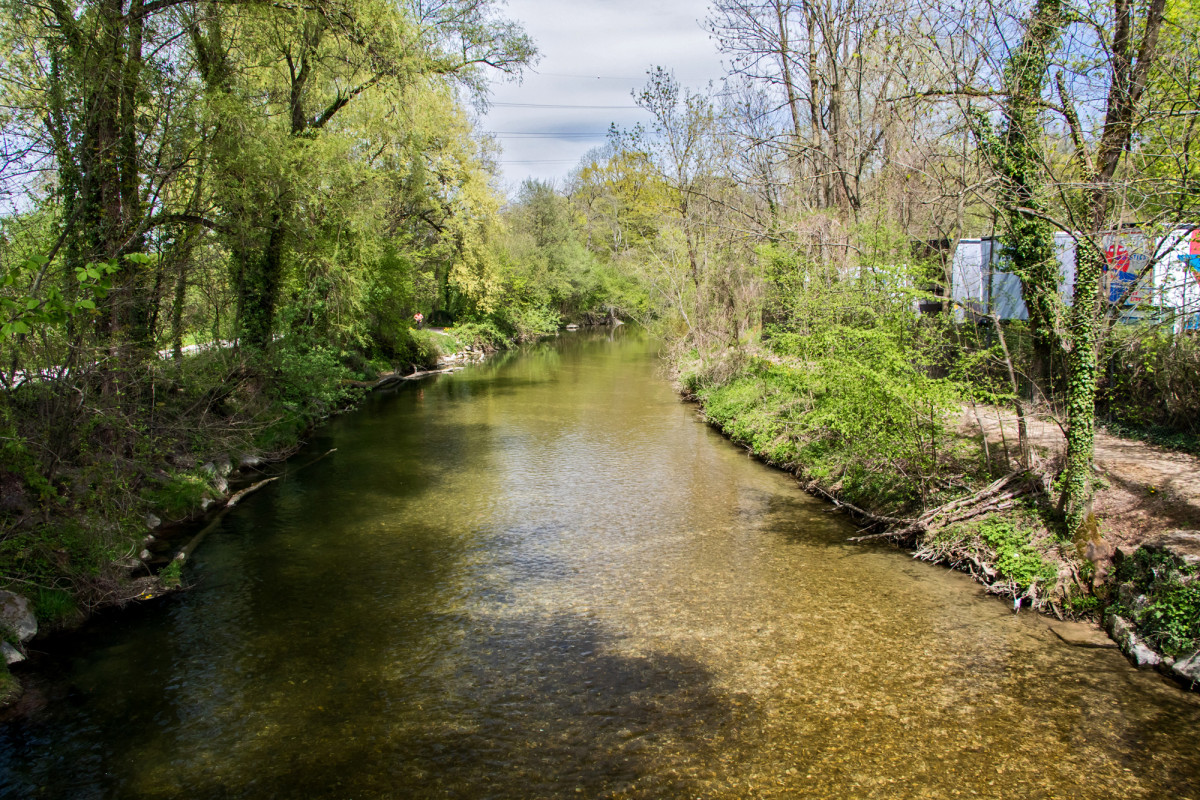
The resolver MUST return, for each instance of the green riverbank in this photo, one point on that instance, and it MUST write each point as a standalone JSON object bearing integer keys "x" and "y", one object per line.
{"x": 100, "y": 531}
{"x": 915, "y": 480}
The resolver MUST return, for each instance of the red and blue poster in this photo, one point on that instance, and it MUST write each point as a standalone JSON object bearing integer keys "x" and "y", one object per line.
{"x": 1191, "y": 263}
{"x": 1119, "y": 272}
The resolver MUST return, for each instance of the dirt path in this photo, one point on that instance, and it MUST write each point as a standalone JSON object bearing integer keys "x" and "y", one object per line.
{"x": 1149, "y": 489}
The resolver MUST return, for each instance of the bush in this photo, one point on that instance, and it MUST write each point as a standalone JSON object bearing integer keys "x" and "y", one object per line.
{"x": 1165, "y": 601}
{"x": 1152, "y": 381}
{"x": 171, "y": 576}
{"x": 483, "y": 333}
{"x": 180, "y": 495}
{"x": 1015, "y": 555}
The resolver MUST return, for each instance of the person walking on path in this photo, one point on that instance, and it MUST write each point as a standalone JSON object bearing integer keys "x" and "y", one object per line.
{"x": 419, "y": 318}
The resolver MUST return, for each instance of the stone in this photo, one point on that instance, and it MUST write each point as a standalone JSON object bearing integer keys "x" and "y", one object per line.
{"x": 1189, "y": 668}
{"x": 1138, "y": 651}
{"x": 1099, "y": 551}
{"x": 209, "y": 467}
{"x": 152, "y": 521}
{"x": 224, "y": 466}
{"x": 221, "y": 485}
{"x": 1142, "y": 654}
{"x": 145, "y": 555}
{"x": 1128, "y": 595}
{"x": 249, "y": 462}
{"x": 11, "y": 654}
{"x": 16, "y": 615}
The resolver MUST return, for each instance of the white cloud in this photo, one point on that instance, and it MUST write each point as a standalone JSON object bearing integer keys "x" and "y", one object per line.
{"x": 594, "y": 53}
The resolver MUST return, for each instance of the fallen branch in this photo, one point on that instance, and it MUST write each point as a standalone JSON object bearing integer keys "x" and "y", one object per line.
{"x": 186, "y": 551}
{"x": 990, "y": 499}
{"x": 877, "y": 519}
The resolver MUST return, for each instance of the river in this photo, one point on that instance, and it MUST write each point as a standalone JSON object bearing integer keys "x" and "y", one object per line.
{"x": 545, "y": 577}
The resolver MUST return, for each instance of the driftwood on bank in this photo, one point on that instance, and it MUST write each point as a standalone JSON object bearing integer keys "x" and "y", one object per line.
{"x": 1000, "y": 495}
{"x": 186, "y": 551}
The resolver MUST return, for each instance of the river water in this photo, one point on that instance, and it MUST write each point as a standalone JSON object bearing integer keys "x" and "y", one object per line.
{"x": 544, "y": 577}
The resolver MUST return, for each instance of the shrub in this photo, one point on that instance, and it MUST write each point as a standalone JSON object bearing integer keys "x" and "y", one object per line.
{"x": 1015, "y": 555}
{"x": 179, "y": 495}
{"x": 1165, "y": 601}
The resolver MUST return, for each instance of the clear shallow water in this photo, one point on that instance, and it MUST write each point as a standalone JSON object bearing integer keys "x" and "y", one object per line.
{"x": 544, "y": 577}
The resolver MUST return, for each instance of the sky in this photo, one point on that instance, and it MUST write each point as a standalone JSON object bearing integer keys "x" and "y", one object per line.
{"x": 593, "y": 54}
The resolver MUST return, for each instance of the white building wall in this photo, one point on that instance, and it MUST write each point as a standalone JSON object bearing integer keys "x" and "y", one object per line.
{"x": 979, "y": 281}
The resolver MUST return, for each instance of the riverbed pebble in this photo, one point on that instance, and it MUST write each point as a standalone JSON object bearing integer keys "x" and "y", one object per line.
{"x": 249, "y": 462}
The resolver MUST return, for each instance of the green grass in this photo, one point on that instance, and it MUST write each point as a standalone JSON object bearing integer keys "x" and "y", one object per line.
{"x": 54, "y": 607}
{"x": 171, "y": 576}
{"x": 179, "y": 495}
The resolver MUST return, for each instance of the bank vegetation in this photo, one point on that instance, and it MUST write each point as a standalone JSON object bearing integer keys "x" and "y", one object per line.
{"x": 224, "y": 215}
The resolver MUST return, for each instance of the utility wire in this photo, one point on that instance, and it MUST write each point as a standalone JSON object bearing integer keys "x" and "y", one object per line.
{"x": 556, "y": 105}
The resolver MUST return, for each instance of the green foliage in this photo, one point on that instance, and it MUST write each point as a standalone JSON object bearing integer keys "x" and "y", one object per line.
{"x": 1151, "y": 383}
{"x": 282, "y": 432}
{"x": 425, "y": 348}
{"x": 179, "y": 495}
{"x": 846, "y": 418}
{"x": 757, "y": 409}
{"x": 1165, "y": 601}
{"x": 171, "y": 576}
{"x": 54, "y": 607}
{"x": 481, "y": 333}
{"x": 1016, "y": 557}
{"x": 310, "y": 377}
{"x": 27, "y": 309}
{"x": 1083, "y": 605}
{"x": 850, "y": 390}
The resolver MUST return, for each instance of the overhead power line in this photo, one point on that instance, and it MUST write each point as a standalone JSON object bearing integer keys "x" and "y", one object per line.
{"x": 592, "y": 77}
{"x": 549, "y": 135}
{"x": 557, "y": 105}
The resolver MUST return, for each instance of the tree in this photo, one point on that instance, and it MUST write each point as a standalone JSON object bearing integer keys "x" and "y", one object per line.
{"x": 311, "y": 65}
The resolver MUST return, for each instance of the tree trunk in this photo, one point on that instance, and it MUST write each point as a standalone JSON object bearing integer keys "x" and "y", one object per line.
{"x": 262, "y": 272}
{"x": 1130, "y": 72}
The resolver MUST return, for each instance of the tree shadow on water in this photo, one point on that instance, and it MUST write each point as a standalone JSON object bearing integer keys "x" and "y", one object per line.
{"x": 518, "y": 708}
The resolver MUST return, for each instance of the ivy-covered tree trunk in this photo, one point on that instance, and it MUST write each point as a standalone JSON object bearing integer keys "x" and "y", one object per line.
{"x": 1028, "y": 236}
{"x": 97, "y": 144}
{"x": 1131, "y": 63}
{"x": 1078, "y": 484}
{"x": 262, "y": 274}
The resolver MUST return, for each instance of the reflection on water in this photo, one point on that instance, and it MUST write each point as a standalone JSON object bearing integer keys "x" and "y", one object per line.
{"x": 544, "y": 577}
